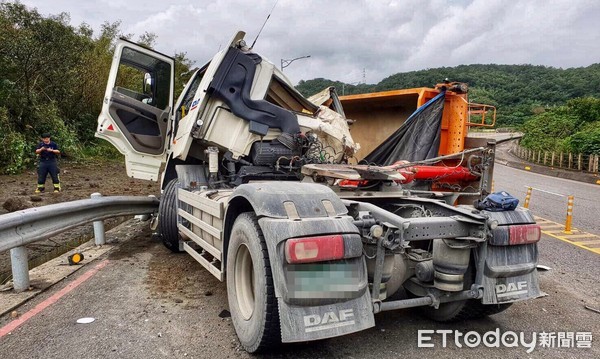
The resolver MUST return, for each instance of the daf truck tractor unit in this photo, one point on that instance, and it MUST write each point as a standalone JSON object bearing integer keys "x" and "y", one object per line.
{"x": 313, "y": 233}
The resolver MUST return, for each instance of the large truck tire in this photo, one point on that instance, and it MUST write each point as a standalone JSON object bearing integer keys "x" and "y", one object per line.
{"x": 167, "y": 217}
{"x": 250, "y": 290}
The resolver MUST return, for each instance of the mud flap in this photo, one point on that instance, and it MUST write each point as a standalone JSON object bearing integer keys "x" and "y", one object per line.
{"x": 510, "y": 274}
{"x": 347, "y": 310}
{"x": 512, "y": 289}
{"x": 302, "y": 323}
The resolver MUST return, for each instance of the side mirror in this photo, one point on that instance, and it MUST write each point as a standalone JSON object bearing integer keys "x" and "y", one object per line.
{"x": 148, "y": 84}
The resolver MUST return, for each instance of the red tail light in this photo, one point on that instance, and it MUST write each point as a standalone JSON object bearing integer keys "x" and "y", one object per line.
{"x": 524, "y": 234}
{"x": 314, "y": 249}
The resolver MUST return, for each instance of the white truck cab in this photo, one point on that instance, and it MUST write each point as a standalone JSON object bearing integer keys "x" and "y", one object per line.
{"x": 139, "y": 118}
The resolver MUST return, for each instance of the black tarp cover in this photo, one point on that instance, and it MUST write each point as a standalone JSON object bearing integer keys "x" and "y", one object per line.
{"x": 417, "y": 139}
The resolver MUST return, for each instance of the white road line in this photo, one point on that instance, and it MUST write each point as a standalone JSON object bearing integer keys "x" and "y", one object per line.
{"x": 541, "y": 190}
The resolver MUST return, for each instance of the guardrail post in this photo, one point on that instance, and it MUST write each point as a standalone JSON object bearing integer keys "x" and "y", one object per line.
{"x": 552, "y": 162}
{"x": 98, "y": 226}
{"x": 527, "y": 197}
{"x": 569, "y": 220}
{"x": 144, "y": 217}
{"x": 560, "y": 161}
{"x": 570, "y": 160}
{"x": 20, "y": 268}
{"x": 579, "y": 157}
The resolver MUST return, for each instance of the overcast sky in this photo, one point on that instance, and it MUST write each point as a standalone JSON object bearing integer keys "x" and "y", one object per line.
{"x": 346, "y": 37}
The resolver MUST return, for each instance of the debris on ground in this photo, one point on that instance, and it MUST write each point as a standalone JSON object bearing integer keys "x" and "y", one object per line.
{"x": 14, "y": 204}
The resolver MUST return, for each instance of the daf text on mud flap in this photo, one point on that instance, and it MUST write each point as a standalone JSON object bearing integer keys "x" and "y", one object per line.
{"x": 315, "y": 322}
{"x": 509, "y": 289}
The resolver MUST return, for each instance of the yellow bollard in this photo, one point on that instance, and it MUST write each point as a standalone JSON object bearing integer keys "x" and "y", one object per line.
{"x": 527, "y": 197}
{"x": 569, "y": 220}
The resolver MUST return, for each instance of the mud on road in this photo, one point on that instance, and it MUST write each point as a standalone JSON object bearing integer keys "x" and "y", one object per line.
{"x": 78, "y": 181}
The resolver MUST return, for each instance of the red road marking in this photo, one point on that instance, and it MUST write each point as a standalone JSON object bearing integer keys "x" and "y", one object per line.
{"x": 53, "y": 299}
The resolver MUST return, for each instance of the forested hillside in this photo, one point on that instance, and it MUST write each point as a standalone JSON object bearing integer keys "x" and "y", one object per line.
{"x": 574, "y": 127}
{"x": 518, "y": 91}
{"x": 52, "y": 79}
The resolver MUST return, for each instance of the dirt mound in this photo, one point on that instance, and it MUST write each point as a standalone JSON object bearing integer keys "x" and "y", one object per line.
{"x": 16, "y": 204}
{"x": 78, "y": 181}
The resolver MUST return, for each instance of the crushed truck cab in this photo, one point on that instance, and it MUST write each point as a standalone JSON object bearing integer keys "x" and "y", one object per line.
{"x": 313, "y": 233}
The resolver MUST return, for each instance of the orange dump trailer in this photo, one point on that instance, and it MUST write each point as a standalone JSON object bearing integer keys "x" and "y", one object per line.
{"x": 377, "y": 115}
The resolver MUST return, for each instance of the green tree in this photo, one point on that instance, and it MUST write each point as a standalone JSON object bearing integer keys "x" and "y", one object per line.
{"x": 52, "y": 79}
{"x": 183, "y": 71}
{"x": 574, "y": 127}
{"x": 547, "y": 131}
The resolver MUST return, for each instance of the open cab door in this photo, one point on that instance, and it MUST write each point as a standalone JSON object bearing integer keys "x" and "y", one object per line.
{"x": 137, "y": 108}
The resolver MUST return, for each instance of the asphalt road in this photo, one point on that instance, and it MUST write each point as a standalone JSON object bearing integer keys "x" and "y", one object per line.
{"x": 549, "y": 196}
{"x": 150, "y": 303}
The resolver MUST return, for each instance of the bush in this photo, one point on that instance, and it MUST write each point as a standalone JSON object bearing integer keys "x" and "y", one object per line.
{"x": 587, "y": 109}
{"x": 47, "y": 119}
{"x": 574, "y": 128}
{"x": 101, "y": 150}
{"x": 13, "y": 147}
{"x": 585, "y": 141}
{"x": 547, "y": 131}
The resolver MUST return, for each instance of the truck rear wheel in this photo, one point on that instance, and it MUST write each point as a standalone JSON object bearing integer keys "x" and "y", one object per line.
{"x": 250, "y": 290}
{"x": 167, "y": 217}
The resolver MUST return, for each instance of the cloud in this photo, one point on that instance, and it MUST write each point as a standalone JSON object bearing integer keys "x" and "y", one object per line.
{"x": 347, "y": 38}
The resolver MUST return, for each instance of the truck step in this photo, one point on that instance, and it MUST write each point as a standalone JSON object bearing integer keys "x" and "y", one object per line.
{"x": 212, "y": 264}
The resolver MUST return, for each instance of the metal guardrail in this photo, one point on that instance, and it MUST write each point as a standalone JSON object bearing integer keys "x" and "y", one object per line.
{"x": 23, "y": 227}
{"x": 572, "y": 161}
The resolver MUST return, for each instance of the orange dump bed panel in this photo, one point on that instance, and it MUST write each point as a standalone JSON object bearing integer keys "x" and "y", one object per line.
{"x": 378, "y": 115}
